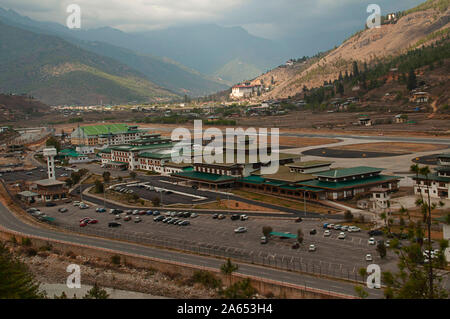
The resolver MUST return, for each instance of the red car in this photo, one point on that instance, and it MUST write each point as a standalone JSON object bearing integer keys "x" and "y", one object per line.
{"x": 92, "y": 221}
{"x": 85, "y": 219}
{"x": 142, "y": 212}
{"x": 83, "y": 224}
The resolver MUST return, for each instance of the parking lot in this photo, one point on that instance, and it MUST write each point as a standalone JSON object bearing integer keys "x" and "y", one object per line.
{"x": 35, "y": 174}
{"x": 332, "y": 254}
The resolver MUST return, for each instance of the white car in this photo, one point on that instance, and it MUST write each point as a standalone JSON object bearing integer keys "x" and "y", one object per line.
{"x": 244, "y": 217}
{"x": 344, "y": 228}
{"x": 327, "y": 233}
{"x": 312, "y": 248}
{"x": 353, "y": 229}
{"x": 341, "y": 235}
{"x": 137, "y": 219}
{"x": 371, "y": 241}
{"x": 117, "y": 217}
{"x": 240, "y": 230}
{"x": 369, "y": 257}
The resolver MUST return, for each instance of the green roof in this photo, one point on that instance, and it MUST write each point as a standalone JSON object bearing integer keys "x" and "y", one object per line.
{"x": 278, "y": 234}
{"x": 346, "y": 172}
{"x": 253, "y": 179}
{"x": 348, "y": 184}
{"x": 433, "y": 177}
{"x": 127, "y": 148}
{"x": 213, "y": 178}
{"x": 444, "y": 155}
{"x": 104, "y": 129}
{"x": 155, "y": 155}
{"x": 70, "y": 153}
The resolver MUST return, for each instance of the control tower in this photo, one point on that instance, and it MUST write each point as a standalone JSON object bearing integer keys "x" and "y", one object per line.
{"x": 50, "y": 154}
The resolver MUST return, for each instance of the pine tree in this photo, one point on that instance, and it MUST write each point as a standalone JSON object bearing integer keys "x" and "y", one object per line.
{"x": 16, "y": 281}
{"x": 411, "y": 83}
{"x": 96, "y": 293}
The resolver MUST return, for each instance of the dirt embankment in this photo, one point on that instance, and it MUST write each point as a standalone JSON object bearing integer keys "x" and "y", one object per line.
{"x": 49, "y": 266}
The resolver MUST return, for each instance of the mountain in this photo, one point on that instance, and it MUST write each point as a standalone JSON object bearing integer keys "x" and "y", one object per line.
{"x": 163, "y": 72}
{"x": 208, "y": 49}
{"x": 15, "y": 107}
{"x": 234, "y": 71}
{"x": 414, "y": 28}
{"x": 58, "y": 72}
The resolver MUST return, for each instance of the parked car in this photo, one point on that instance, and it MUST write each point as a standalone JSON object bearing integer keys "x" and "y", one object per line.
{"x": 127, "y": 218}
{"x": 142, "y": 212}
{"x": 185, "y": 223}
{"x": 63, "y": 210}
{"x": 114, "y": 224}
{"x": 117, "y": 217}
{"x": 371, "y": 241}
{"x": 234, "y": 217}
{"x": 137, "y": 219}
{"x": 353, "y": 229}
{"x": 83, "y": 224}
{"x": 221, "y": 216}
{"x": 325, "y": 225}
{"x": 295, "y": 245}
{"x": 240, "y": 230}
{"x": 375, "y": 233}
{"x": 194, "y": 215}
{"x": 50, "y": 204}
{"x": 214, "y": 216}
{"x": 327, "y": 233}
{"x": 244, "y": 217}
{"x": 100, "y": 210}
{"x": 135, "y": 212}
{"x": 156, "y": 213}
{"x": 298, "y": 220}
{"x": 158, "y": 218}
{"x": 330, "y": 226}
{"x": 341, "y": 235}
{"x": 92, "y": 221}
{"x": 187, "y": 215}
{"x": 344, "y": 228}
{"x": 369, "y": 257}
{"x": 337, "y": 227}
{"x": 312, "y": 248}
{"x": 313, "y": 232}
{"x": 264, "y": 240}
{"x": 149, "y": 212}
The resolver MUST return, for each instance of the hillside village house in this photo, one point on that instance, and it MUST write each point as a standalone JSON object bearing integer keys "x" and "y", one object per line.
{"x": 108, "y": 134}
{"x": 438, "y": 182}
{"x": 419, "y": 97}
{"x": 245, "y": 90}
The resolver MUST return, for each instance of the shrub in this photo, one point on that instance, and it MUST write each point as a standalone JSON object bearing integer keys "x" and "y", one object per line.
{"x": 207, "y": 279}
{"x": 115, "y": 260}
{"x": 26, "y": 241}
{"x": 30, "y": 252}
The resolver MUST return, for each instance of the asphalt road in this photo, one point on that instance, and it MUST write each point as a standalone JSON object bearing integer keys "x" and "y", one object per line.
{"x": 10, "y": 221}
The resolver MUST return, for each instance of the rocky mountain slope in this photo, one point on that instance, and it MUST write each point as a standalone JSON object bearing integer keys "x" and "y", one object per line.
{"x": 419, "y": 26}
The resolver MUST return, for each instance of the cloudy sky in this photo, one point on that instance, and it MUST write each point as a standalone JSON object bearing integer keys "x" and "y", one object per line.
{"x": 273, "y": 19}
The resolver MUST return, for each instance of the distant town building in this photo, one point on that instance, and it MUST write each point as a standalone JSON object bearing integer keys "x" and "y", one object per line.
{"x": 438, "y": 182}
{"x": 419, "y": 97}
{"x": 245, "y": 90}
{"x": 108, "y": 134}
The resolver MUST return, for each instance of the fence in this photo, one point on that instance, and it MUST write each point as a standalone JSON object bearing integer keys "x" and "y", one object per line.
{"x": 284, "y": 262}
